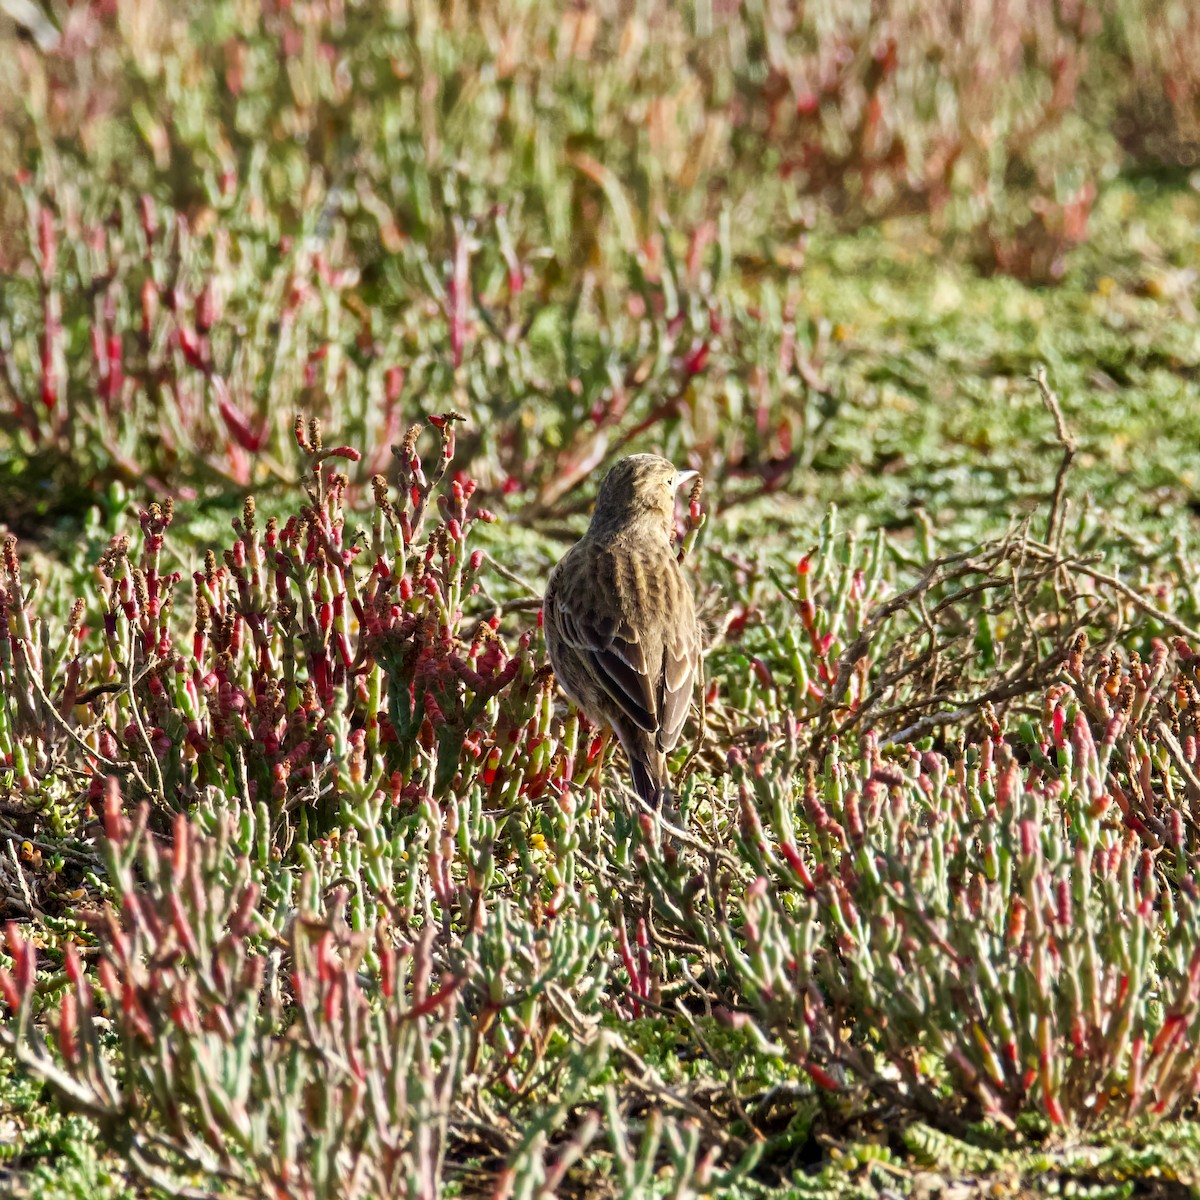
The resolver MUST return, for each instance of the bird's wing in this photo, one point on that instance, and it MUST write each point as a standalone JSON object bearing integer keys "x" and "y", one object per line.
{"x": 681, "y": 652}
{"x": 590, "y": 620}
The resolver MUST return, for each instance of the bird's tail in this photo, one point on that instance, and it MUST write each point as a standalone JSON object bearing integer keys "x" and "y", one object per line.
{"x": 650, "y": 778}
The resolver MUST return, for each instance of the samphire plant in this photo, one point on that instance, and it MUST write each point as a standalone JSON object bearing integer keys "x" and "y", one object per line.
{"x": 349, "y": 905}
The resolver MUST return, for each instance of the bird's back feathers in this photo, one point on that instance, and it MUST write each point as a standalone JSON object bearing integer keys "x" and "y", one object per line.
{"x": 624, "y": 642}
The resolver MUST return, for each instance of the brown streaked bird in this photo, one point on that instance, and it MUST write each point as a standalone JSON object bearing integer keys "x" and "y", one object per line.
{"x": 620, "y": 622}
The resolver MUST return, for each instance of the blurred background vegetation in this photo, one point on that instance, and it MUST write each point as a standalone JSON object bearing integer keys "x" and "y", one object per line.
{"x": 753, "y": 235}
{"x": 937, "y": 918}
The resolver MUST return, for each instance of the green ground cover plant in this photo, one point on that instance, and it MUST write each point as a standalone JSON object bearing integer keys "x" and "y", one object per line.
{"x": 319, "y": 323}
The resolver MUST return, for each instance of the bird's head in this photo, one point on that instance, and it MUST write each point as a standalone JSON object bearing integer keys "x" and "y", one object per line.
{"x": 639, "y": 489}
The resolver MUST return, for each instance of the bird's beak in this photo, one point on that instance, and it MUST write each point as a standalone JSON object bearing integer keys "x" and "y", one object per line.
{"x": 682, "y": 477}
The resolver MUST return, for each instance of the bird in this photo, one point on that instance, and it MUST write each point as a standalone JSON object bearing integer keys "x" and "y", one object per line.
{"x": 620, "y": 621}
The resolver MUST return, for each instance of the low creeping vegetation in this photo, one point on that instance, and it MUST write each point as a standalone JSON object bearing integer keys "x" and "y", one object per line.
{"x": 324, "y": 893}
